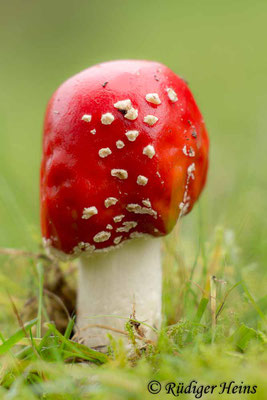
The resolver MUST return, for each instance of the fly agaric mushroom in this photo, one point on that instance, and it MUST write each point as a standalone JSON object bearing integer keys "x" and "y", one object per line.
{"x": 125, "y": 154}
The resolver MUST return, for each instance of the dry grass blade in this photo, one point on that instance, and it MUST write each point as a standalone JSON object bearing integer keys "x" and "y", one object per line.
{"x": 204, "y": 292}
{"x": 213, "y": 304}
{"x": 59, "y": 301}
{"x": 20, "y": 322}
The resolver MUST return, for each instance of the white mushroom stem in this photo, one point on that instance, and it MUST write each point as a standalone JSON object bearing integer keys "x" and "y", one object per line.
{"x": 112, "y": 286}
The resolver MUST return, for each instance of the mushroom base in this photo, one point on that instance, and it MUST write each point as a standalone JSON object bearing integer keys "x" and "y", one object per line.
{"x": 114, "y": 287}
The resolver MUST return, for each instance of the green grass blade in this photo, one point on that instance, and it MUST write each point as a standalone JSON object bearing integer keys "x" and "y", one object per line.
{"x": 68, "y": 332}
{"x": 79, "y": 349}
{"x": 250, "y": 317}
{"x": 69, "y": 328}
{"x": 20, "y": 334}
{"x": 202, "y": 242}
{"x": 253, "y": 302}
{"x": 222, "y": 304}
{"x": 242, "y": 336}
{"x": 201, "y": 309}
{"x": 40, "y": 298}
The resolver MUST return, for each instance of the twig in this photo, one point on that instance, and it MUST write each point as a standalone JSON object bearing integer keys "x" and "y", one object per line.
{"x": 137, "y": 326}
{"x": 23, "y": 253}
{"x": 111, "y": 329}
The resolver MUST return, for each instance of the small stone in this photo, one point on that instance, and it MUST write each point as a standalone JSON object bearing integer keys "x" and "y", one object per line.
{"x": 142, "y": 180}
{"x": 123, "y": 105}
{"x": 153, "y": 98}
{"x": 149, "y": 151}
{"x": 117, "y": 240}
{"x": 120, "y": 144}
{"x": 118, "y": 218}
{"x": 87, "y": 118}
{"x": 110, "y": 201}
{"x": 190, "y": 171}
{"x": 137, "y": 209}
{"x": 150, "y": 119}
{"x": 102, "y": 236}
{"x": 104, "y": 152}
{"x": 119, "y": 173}
{"x": 127, "y": 226}
{"x": 132, "y": 135}
{"x": 132, "y": 114}
{"x": 107, "y": 119}
{"x": 172, "y": 95}
{"x": 89, "y": 212}
{"x": 146, "y": 203}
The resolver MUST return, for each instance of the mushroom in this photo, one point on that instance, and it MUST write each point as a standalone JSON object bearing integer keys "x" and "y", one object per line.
{"x": 108, "y": 198}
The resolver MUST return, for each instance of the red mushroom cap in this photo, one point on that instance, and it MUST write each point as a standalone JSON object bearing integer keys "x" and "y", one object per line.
{"x": 125, "y": 152}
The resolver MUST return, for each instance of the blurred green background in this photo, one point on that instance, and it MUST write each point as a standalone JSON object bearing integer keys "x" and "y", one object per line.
{"x": 218, "y": 46}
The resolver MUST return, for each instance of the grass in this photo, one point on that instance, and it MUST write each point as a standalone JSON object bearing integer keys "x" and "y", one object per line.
{"x": 214, "y": 289}
{"x": 214, "y": 331}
